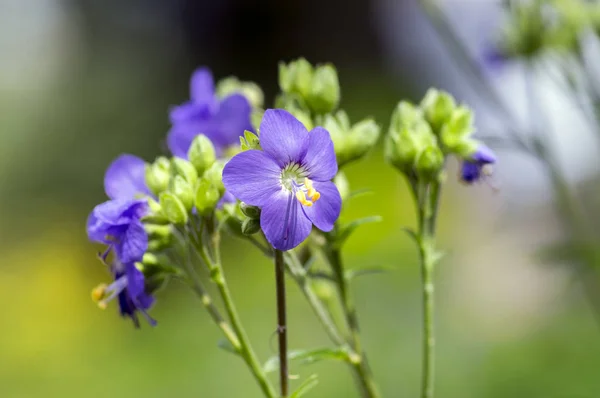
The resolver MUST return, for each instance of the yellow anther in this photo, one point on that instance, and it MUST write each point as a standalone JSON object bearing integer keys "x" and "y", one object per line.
{"x": 301, "y": 196}
{"x": 308, "y": 184}
{"x": 98, "y": 294}
{"x": 312, "y": 193}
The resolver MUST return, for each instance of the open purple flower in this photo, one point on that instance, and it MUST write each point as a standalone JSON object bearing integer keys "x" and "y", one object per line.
{"x": 290, "y": 179}
{"x": 222, "y": 121}
{"x": 478, "y": 166}
{"x": 117, "y": 223}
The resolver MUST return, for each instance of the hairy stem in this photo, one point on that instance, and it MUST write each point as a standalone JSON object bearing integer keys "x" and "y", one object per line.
{"x": 246, "y": 351}
{"x": 361, "y": 366}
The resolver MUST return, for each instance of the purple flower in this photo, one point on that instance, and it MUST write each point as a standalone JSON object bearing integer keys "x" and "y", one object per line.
{"x": 222, "y": 121}
{"x": 290, "y": 179}
{"x": 478, "y": 166}
{"x": 117, "y": 223}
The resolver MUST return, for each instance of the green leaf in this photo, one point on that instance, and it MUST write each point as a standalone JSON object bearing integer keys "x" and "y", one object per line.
{"x": 306, "y": 386}
{"x": 226, "y": 345}
{"x": 307, "y": 357}
{"x": 353, "y": 273}
{"x": 359, "y": 193}
{"x": 411, "y": 233}
{"x": 348, "y": 229}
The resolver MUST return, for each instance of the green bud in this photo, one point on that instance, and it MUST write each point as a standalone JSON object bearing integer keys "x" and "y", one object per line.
{"x": 296, "y": 77}
{"x": 233, "y": 217}
{"x": 406, "y": 115}
{"x": 250, "y": 90}
{"x": 184, "y": 192}
{"x": 250, "y": 211}
{"x": 302, "y": 116}
{"x": 430, "y": 162}
{"x": 173, "y": 209}
{"x": 250, "y": 226}
{"x": 256, "y": 117}
{"x": 456, "y": 132}
{"x": 342, "y": 184}
{"x": 160, "y": 237}
{"x": 207, "y": 197}
{"x": 464, "y": 149}
{"x": 215, "y": 176}
{"x": 350, "y": 143}
{"x": 185, "y": 169}
{"x": 438, "y": 107}
{"x": 156, "y": 215}
{"x": 202, "y": 153}
{"x": 158, "y": 175}
{"x": 324, "y": 95}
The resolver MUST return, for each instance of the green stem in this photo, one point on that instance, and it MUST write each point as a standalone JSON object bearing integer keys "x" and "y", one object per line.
{"x": 281, "y": 322}
{"x": 246, "y": 351}
{"x": 361, "y": 367}
{"x": 427, "y": 203}
{"x": 213, "y": 311}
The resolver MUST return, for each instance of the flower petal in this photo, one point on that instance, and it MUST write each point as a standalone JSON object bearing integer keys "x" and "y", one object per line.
{"x": 284, "y": 223}
{"x": 470, "y": 172}
{"x": 232, "y": 119}
{"x": 133, "y": 243}
{"x": 202, "y": 86}
{"x": 181, "y": 135}
{"x": 320, "y": 158}
{"x": 325, "y": 211}
{"x": 252, "y": 177}
{"x": 96, "y": 229}
{"x": 125, "y": 178}
{"x": 484, "y": 155}
{"x": 283, "y": 136}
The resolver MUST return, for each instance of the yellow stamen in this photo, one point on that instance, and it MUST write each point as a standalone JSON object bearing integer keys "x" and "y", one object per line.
{"x": 301, "y": 196}
{"x": 98, "y": 294}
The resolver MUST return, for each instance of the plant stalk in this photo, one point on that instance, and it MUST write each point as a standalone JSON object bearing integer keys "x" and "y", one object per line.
{"x": 281, "y": 323}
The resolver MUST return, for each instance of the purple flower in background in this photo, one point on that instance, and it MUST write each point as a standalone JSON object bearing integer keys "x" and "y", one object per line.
{"x": 222, "y": 121}
{"x": 290, "y": 179}
{"x": 117, "y": 223}
{"x": 478, "y": 166}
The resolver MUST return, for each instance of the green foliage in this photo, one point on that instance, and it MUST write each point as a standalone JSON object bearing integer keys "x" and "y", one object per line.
{"x": 202, "y": 153}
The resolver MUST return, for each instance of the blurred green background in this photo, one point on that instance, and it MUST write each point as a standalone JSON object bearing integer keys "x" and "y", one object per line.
{"x": 83, "y": 81}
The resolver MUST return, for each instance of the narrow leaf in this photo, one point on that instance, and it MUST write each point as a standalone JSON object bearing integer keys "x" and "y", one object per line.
{"x": 359, "y": 193}
{"x": 226, "y": 345}
{"x": 353, "y": 273}
{"x": 306, "y": 386}
{"x": 307, "y": 357}
{"x": 347, "y": 229}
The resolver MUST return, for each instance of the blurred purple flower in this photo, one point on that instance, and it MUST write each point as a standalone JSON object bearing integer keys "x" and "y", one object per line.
{"x": 222, "y": 121}
{"x": 294, "y": 167}
{"x": 117, "y": 223}
{"x": 475, "y": 168}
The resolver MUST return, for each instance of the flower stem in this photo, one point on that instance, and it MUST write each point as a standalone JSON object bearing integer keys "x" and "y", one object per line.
{"x": 281, "y": 322}
{"x": 427, "y": 203}
{"x": 361, "y": 366}
{"x": 216, "y": 274}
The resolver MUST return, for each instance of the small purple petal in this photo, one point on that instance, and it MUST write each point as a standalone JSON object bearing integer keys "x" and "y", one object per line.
{"x": 320, "y": 157}
{"x": 96, "y": 229}
{"x": 189, "y": 112}
{"x": 484, "y": 155}
{"x": 325, "y": 211}
{"x": 135, "y": 280}
{"x": 232, "y": 119}
{"x": 283, "y": 137}
{"x": 284, "y": 223}
{"x": 133, "y": 243}
{"x": 202, "y": 86}
{"x": 253, "y": 177}
{"x": 115, "y": 212}
{"x": 125, "y": 178}
{"x": 470, "y": 172}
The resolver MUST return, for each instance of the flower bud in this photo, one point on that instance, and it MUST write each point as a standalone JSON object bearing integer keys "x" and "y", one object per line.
{"x": 325, "y": 90}
{"x": 250, "y": 211}
{"x": 158, "y": 175}
{"x": 156, "y": 215}
{"x": 215, "y": 176}
{"x": 202, "y": 153}
{"x": 342, "y": 184}
{"x": 250, "y": 226}
{"x": 173, "y": 209}
{"x": 185, "y": 169}
{"x": 160, "y": 237}
{"x": 438, "y": 107}
{"x": 184, "y": 192}
{"x": 296, "y": 77}
{"x": 207, "y": 197}
{"x": 250, "y": 90}
{"x": 350, "y": 143}
{"x": 430, "y": 163}
{"x": 233, "y": 218}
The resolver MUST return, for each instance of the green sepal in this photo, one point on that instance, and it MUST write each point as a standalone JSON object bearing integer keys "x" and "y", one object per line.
{"x": 250, "y": 211}
{"x": 207, "y": 197}
{"x": 185, "y": 169}
{"x": 250, "y": 226}
{"x": 202, "y": 153}
{"x": 158, "y": 175}
{"x": 184, "y": 192}
{"x": 173, "y": 209}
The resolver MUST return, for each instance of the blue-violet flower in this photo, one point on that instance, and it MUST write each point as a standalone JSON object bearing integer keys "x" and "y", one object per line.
{"x": 478, "y": 166}
{"x": 290, "y": 179}
{"x": 117, "y": 223}
{"x": 222, "y": 121}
